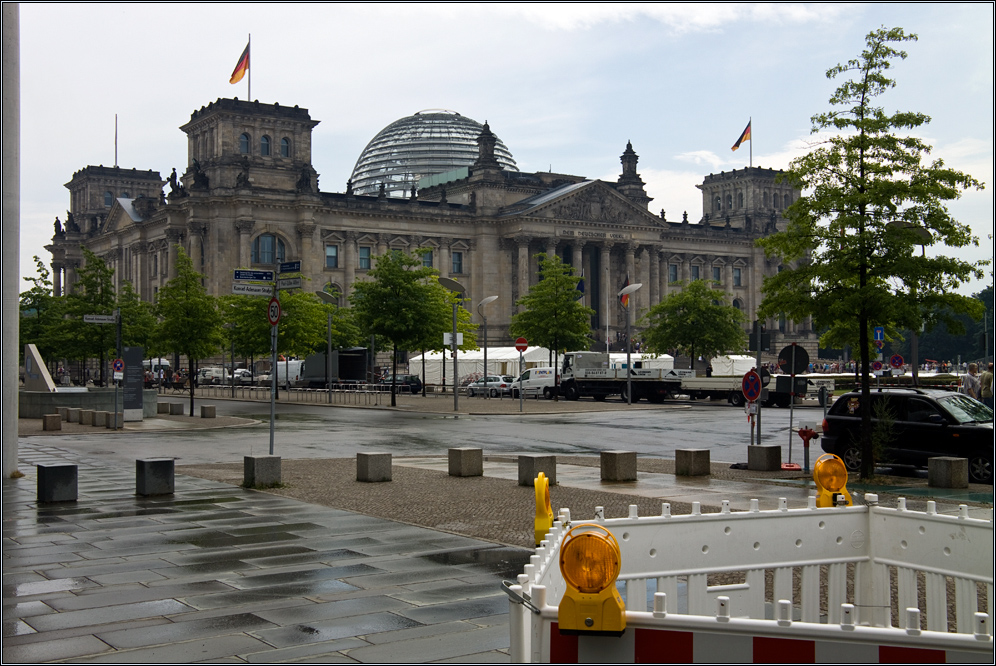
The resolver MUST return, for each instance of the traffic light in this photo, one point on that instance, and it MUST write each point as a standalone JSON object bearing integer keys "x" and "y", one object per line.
{"x": 758, "y": 331}
{"x": 590, "y": 561}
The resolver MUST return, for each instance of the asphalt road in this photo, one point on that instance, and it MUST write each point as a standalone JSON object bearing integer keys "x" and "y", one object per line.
{"x": 317, "y": 431}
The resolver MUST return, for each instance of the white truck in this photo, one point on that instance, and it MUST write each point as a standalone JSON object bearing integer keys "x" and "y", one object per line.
{"x": 592, "y": 374}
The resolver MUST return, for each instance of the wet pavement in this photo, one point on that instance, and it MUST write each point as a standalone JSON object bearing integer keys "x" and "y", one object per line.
{"x": 324, "y": 570}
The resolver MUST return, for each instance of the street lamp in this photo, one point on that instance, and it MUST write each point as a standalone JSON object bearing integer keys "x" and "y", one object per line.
{"x": 453, "y": 285}
{"x": 329, "y": 299}
{"x": 626, "y": 291}
{"x": 480, "y": 311}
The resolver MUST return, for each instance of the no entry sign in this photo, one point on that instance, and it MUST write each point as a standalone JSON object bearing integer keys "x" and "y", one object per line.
{"x": 521, "y": 345}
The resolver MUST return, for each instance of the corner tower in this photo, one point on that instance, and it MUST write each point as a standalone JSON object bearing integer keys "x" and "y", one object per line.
{"x": 235, "y": 144}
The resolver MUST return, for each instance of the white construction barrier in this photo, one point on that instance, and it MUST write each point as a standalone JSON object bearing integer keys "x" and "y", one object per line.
{"x": 902, "y": 564}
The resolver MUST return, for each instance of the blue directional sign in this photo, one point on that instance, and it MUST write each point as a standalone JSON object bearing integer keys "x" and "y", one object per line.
{"x": 880, "y": 333}
{"x": 254, "y": 276}
{"x": 290, "y": 267}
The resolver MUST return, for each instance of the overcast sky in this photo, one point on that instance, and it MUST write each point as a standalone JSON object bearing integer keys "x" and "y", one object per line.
{"x": 564, "y": 86}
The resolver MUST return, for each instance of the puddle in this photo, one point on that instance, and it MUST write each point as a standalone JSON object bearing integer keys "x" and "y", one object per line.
{"x": 502, "y": 561}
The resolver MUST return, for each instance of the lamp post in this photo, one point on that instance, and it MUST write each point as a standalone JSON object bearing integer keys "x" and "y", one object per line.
{"x": 480, "y": 311}
{"x": 326, "y": 297}
{"x": 626, "y": 291}
{"x": 453, "y": 285}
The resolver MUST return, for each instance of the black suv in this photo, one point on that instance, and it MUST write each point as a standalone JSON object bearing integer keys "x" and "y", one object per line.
{"x": 915, "y": 425}
{"x": 412, "y": 382}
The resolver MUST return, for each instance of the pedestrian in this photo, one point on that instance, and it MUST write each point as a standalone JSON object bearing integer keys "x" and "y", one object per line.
{"x": 986, "y": 381}
{"x": 970, "y": 383}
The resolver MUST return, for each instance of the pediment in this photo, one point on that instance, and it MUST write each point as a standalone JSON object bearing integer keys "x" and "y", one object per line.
{"x": 596, "y": 202}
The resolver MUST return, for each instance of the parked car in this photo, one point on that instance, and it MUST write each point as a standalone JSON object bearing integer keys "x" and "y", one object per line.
{"x": 207, "y": 376}
{"x": 410, "y": 384}
{"x": 914, "y": 425}
{"x": 243, "y": 377}
{"x": 493, "y": 385}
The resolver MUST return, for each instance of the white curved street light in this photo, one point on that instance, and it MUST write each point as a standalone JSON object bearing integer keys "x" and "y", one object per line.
{"x": 480, "y": 311}
{"x": 326, "y": 297}
{"x": 626, "y": 291}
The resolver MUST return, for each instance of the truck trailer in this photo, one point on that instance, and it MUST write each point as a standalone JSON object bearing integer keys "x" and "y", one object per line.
{"x": 592, "y": 374}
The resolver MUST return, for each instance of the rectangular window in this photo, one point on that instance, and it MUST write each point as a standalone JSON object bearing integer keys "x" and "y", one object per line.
{"x": 672, "y": 273}
{"x": 695, "y": 272}
{"x": 717, "y": 273}
{"x": 331, "y": 256}
{"x": 737, "y": 277}
{"x": 458, "y": 262}
{"x": 427, "y": 259}
{"x": 364, "y": 258}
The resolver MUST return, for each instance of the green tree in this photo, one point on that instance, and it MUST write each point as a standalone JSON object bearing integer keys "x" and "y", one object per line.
{"x": 190, "y": 323}
{"x": 439, "y": 309}
{"x": 40, "y": 315}
{"x": 398, "y": 304}
{"x": 551, "y": 313}
{"x": 852, "y": 245}
{"x": 248, "y": 329}
{"x": 695, "y": 321}
{"x": 138, "y": 321}
{"x": 92, "y": 294}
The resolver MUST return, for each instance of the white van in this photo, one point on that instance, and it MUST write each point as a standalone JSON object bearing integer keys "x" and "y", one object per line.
{"x": 536, "y": 382}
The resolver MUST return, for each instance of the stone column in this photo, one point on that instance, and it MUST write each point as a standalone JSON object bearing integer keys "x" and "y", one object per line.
{"x": 349, "y": 263}
{"x": 194, "y": 236}
{"x": 728, "y": 280}
{"x": 174, "y": 237}
{"x": 244, "y": 228}
{"x": 551, "y": 247}
{"x": 606, "y": 281}
{"x": 653, "y": 256}
{"x": 578, "y": 264}
{"x": 382, "y": 240}
{"x": 57, "y": 279}
{"x": 523, "y": 265}
{"x": 445, "y": 265}
{"x": 631, "y": 272}
{"x": 309, "y": 256}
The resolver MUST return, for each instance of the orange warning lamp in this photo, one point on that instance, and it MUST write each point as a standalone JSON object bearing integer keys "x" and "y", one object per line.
{"x": 590, "y": 562}
{"x": 830, "y": 476}
{"x": 544, "y": 514}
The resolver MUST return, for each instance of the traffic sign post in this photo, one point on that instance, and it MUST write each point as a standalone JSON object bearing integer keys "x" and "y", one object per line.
{"x": 520, "y": 346}
{"x": 254, "y": 276}
{"x": 752, "y": 391}
{"x": 118, "y": 366}
{"x": 273, "y": 311}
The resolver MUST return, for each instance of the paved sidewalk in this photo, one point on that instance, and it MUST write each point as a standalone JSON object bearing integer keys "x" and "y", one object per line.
{"x": 326, "y": 569}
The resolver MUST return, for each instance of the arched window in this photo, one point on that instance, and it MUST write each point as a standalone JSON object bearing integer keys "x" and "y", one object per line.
{"x": 729, "y": 202}
{"x": 765, "y": 199}
{"x": 774, "y": 200}
{"x": 740, "y": 200}
{"x": 108, "y": 198}
{"x": 335, "y": 290}
{"x": 244, "y": 144}
{"x": 738, "y": 304}
{"x": 787, "y": 200}
{"x": 267, "y": 249}
{"x": 717, "y": 204}
{"x": 285, "y": 147}
{"x": 126, "y": 195}
{"x": 264, "y": 146}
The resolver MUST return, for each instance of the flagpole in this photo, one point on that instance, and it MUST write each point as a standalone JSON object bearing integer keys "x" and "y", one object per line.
{"x": 750, "y": 124}
{"x": 249, "y": 67}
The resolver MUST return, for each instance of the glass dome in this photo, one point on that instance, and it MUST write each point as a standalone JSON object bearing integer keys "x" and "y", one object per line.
{"x": 430, "y": 142}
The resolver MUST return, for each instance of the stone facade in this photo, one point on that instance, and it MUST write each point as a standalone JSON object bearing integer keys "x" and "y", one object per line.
{"x": 249, "y": 198}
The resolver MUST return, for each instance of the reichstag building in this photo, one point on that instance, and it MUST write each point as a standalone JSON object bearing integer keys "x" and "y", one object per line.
{"x": 249, "y": 198}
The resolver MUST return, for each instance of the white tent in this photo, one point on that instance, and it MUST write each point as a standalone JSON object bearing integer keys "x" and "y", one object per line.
{"x": 735, "y": 365}
{"x": 501, "y": 361}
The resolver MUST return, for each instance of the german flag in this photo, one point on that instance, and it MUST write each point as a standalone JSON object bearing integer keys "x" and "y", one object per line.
{"x": 242, "y": 67}
{"x": 624, "y": 299}
{"x": 743, "y": 137}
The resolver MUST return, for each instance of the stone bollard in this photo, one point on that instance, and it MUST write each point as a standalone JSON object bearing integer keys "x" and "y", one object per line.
{"x": 531, "y": 464}
{"x": 63, "y": 412}
{"x": 693, "y": 462}
{"x": 73, "y": 414}
{"x": 86, "y": 417}
{"x": 207, "y": 411}
{"x": 51, "y": 422}
{"x": 176, "y": 409}
{"x": 466, "y": 461}
{"x": 260, "y": 471}
{"x": 57, "y": 483}
{"x": 373, "y": 467}
{"x": 111, "y": 423}
{"x": 618, "y": 465}
{"x": 947, "y": 472}
{"x": 764, "y": 458}
{"x": 154, "y": 476}
{"x": 162, "y": 408}
{"x": 100, "y": 419}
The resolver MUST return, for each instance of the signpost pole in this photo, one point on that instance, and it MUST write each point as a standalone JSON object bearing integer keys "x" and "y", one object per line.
{"x": 520, "y": 382}
{"x": 792, "y": 403}
{"x": 117, "y": 316}
{"x": 274, "y": 317}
